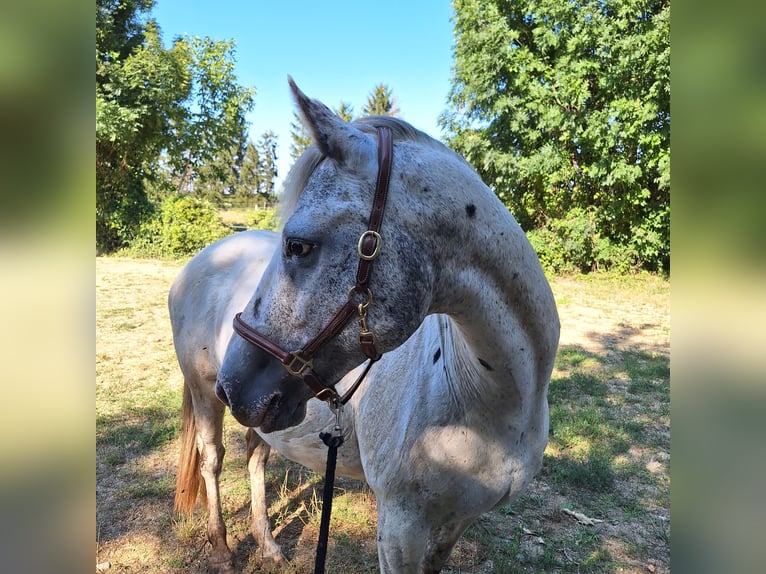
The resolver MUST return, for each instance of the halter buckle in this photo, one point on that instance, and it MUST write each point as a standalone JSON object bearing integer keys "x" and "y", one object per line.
{"x": 302, "y": 366}
{"x": 378, "y": 245}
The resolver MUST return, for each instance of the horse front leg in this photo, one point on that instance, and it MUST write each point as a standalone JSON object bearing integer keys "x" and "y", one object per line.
{"x": 409, "y": 544}
{"x": 257, "y": 456}
{"x": 441, "y": 541}
{"x": 401, "y": 544}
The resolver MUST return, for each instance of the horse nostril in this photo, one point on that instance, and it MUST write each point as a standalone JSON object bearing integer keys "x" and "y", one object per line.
{"x": 221, "y": 393}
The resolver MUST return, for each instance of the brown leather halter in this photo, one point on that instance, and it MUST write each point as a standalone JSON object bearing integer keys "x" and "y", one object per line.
{"x": 300, "y": 363}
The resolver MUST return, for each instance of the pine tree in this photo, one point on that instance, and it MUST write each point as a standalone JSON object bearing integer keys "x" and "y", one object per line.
{"x": 345, "y": 111}
{"x": 381, "y": 102}
{"x": 249, "y": 177}
{"x": 301, "y": 138}
{"x": 267, "y": 165}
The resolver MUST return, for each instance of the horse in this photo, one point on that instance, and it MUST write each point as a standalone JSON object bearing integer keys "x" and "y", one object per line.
{"x": 456, "y": 320}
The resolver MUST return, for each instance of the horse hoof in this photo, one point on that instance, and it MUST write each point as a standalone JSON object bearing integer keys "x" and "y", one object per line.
{"x": 221, "y": 567}
{"x": 275, "y": 558}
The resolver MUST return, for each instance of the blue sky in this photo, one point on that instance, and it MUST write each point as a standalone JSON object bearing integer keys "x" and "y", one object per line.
{"x": 335, "y": 50}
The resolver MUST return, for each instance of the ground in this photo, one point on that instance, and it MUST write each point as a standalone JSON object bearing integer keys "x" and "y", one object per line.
{"x": 600, "y": 503}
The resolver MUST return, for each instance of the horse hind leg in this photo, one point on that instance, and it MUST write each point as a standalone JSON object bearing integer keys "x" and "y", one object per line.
{"x": 207, "y": 420}
{"x": 257, "y": 456}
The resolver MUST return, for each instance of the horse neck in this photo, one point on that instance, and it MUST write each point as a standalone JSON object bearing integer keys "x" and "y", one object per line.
{"x": 492, "y": 287}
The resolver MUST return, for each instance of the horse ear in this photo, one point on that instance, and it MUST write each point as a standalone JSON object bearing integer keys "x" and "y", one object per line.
{"x": 333, "y": 136}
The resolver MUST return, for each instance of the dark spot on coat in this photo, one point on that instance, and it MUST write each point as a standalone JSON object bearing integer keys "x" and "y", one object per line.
{"x": 256, "y": 305}
{"x": 437, "y": 354}
{"x": 425, "y": 189}
{"x": 470, "y": 210}
{"x": 485, "y": 364}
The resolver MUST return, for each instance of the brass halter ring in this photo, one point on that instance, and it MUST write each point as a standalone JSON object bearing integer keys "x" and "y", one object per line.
{"x": 362, "y": 306}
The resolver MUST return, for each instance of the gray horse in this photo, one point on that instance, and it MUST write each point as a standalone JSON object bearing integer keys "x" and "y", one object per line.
{"x": 452, "y": 421}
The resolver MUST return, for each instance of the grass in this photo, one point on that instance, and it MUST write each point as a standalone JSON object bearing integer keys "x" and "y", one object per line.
{"x": 607, "y": 458}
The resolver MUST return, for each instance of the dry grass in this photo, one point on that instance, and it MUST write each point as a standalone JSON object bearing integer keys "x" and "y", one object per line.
{"x": 236, "y": 216}
{"x": 608, "y": 456}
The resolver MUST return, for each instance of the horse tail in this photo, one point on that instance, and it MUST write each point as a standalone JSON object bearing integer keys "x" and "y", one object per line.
{"x": 189, "y": 483}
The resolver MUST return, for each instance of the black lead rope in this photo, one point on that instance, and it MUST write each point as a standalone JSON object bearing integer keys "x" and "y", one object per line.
{"x": 333, "y": 442}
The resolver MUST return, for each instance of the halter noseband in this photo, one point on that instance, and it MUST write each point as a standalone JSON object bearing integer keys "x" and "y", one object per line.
{"x": 300, "y": 363}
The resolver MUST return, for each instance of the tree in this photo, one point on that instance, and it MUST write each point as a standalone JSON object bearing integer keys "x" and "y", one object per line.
{"x": 267, "y": 165}
{"x": 241, "y": 174}
{"x": 158, "y": 111}
{"x": 345, "y": 111}
{"x": 215, "y": 112}
{"x": 217, "y": 178}
{"x": 249, "y": 173}
{"x": 564, "y": 105}
{"x": 381, "y": 102}
{"x": 300, "y": 136}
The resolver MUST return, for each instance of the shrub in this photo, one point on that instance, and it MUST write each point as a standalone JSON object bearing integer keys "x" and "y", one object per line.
{"x": 572, "y": 244}
{"x": 265, "y": 218}
{"x": 182, "y": 226}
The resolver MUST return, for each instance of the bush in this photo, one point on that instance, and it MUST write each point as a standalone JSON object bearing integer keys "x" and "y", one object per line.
{"x": 182, "y": 226}
{"x": 265, "y": 218}
{"x": 572, "y": 244}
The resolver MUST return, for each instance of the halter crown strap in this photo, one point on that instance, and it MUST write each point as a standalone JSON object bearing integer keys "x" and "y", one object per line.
{"x": 300, "y": 363}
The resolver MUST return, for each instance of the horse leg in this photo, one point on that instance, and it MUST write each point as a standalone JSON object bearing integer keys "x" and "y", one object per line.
{"x": 209, "y": 411}
{"x": 257, "y": 456}
{"x": 401, "y": 544}
{"x": 441, "y": 541}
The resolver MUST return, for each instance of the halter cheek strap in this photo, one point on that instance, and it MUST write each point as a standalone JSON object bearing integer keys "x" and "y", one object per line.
{"x": 300, "y": 363}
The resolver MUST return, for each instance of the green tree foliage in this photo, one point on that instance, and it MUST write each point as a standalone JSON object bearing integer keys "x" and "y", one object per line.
{"x": 381, "y": 102}
{"x": 563, "y": 107}
{"x": 345, "y": 111}
{"x": 242, "y": 175}
{"x": 300, "y": 137}
{"x": 158, "y": 111}
{"x": 218, "y": 177}
{"x": 248, "y": 174}
{"x": 267, "y": 166}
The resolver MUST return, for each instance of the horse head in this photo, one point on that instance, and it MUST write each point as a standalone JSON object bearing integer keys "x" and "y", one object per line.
{"x": 314, "y": 277}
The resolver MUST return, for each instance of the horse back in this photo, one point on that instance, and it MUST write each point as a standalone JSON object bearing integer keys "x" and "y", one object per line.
{"x": 210, "y": 289}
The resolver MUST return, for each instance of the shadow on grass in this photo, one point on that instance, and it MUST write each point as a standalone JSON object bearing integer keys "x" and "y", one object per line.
{"x": 601, "y": 407}
{"x": 135, "y": 432}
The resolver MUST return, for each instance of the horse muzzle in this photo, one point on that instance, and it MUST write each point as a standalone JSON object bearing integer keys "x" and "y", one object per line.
{"x": 271, "y": 408}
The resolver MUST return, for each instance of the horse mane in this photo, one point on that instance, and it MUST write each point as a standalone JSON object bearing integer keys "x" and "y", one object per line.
{"x": 305, "y": 165}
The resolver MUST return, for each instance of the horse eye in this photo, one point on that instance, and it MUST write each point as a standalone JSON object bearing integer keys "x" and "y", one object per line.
{"x": 297, "y": 248}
